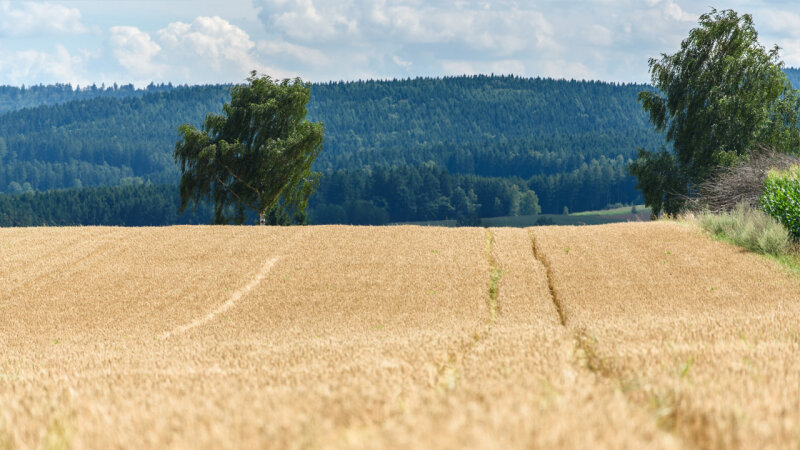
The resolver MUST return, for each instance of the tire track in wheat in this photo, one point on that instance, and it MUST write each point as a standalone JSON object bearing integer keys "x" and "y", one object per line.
{"x": 537, "y": 254}
{"x": 225, "y": 306}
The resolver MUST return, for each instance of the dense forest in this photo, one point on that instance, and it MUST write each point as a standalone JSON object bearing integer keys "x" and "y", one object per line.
{"x": 13, "y": 98}
{"x": 101, "y": 141}
{"x": 385, "y": 195}
{"x": 395, "y": 150}
{"x": 130, "y": 205}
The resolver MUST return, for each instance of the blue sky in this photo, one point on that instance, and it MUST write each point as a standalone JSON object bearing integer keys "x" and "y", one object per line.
{"x": 200, "y": 41}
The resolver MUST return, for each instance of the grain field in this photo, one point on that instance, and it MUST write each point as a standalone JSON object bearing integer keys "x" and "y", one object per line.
{"x": 617, "y": 336}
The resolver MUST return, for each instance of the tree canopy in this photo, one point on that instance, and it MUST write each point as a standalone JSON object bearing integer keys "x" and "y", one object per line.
{"x": 257, "y": 154}
{"x": 722, "y": 95}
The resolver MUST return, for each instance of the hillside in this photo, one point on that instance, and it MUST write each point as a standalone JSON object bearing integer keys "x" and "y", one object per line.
{"x": 560, "y": 139}
{"x": 395, "y": 151}
{"x": 616, "y": 336}
{"x": 14, "y": 98}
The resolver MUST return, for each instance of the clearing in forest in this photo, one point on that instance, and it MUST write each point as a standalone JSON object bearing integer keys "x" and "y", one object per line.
{"x": 625, "y": 335}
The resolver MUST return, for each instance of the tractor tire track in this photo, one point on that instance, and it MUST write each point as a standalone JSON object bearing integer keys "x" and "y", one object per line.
{"x": 228, "y": 303}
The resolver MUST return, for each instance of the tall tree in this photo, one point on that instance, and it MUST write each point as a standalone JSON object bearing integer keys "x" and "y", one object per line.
{"x": 720, "y": 96}
{"x": 257, "y": 154}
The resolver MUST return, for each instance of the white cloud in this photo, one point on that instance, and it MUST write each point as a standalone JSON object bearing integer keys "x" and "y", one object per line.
{"x": 30, "y": 66}
{"x": 207, "y": 50}
{"x": 675, "y": 12}
{"x": 349, "y": 39}
{"x": 305, "y": 55}
{"x": 303, "y": 20}
{"x": 790, "y": 50}
{"x": 216, "y": 41}
{"x": 369, "y": 35}
{"x": 31, "y": 18}
{"x": 135, "y": 50}
{"x": 783, "y": 22}
{"x": 401, "y": 62}
{"x": 599, "y": 35}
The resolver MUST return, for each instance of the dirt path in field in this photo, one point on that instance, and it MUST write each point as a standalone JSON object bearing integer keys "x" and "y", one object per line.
{"x": 228, "y": 304}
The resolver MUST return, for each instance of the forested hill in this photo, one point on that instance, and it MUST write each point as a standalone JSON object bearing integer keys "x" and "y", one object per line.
{"x": 100, "y": 141}
{"x": 13, "y": 98}
{"x": 394, "y": 150}
{"x": 378, "y": 122}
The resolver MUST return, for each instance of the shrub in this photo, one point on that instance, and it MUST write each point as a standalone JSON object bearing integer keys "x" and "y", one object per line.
{"x": 749, "y": 228}
{"x": 740, "y": 183}
{"x": 781, "y": 198}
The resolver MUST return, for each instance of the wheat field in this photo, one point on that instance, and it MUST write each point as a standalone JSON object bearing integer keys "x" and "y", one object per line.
{"x": 616, "y": 336}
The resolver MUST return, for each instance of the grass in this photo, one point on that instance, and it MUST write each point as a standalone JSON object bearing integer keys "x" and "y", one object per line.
{"x": 640, "y": 209}
{"x": 755, "y": 231}
{"x": 598, "y": 217}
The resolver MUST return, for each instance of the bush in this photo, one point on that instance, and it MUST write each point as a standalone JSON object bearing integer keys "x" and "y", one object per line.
{"x": 749, "y": 228}
{"x": 781, "y": 198}
{"x": 740, "y": 183}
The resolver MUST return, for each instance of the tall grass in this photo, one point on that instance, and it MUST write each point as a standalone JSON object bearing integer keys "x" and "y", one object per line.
{"x": 749, "y": 228}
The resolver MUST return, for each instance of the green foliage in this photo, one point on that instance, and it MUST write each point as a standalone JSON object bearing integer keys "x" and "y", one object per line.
{"x": 408, "y": 194}
{"x": 749, "y": 228}
{"x": 257, "y": 154}
{"x": 569, "y": 141}
{"x": 781, "y": 198}
{"x": 129, "y": 205}
{"x": 662, "y": 183}
{"x": 14, "y": 98}
{"x": 719, "y": 97}
{"x": 102, "y": 140}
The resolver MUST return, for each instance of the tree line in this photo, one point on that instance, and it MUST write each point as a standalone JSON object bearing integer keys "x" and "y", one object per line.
{"x": 566, "y": 141}
{"x": 129, "y": 205}
{"x": 13, "y": 98}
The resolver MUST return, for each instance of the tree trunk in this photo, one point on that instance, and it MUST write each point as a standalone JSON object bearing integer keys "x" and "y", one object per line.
{"x": 262, "y": 217}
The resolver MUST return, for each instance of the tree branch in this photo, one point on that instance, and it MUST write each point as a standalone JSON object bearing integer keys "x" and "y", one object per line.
{"x": 258, "y": 194}
{"x": 235, "y": 195}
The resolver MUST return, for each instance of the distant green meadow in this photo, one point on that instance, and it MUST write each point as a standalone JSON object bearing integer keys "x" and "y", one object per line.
{"x": 598, "y": 217}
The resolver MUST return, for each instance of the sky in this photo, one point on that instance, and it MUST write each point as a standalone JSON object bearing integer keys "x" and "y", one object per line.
{"x": 203, "y": 41}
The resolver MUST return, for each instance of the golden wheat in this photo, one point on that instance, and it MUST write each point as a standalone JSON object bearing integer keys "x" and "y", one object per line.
{"x": 700, "y": 333}
{"x": 238, "y": 337}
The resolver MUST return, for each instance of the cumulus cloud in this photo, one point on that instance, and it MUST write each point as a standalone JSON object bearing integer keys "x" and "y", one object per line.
{"x": 23, "y": 67}
{"x": 292, "y": 53}
{"x": 431, "y": 36}
{"x": 672, "y": 10}
{"x": 529, "y": 38}
{"x": 401, "y": 62}
{"x": 791, "y": 52}
{"x": 305, "y": 21}
{"x": 30, "y": 18}
{"x": 135, "y": 50}
{"x": 350, "y": 39}
{"x": 207, "y": 50}
{"x": 218, "y": 42}
{"x": 781, "y": 21}
{"x": 478, "y": 26}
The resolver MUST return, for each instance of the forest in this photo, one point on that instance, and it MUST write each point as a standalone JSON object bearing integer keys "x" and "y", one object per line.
{"x": 395, "y": 150}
